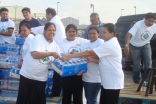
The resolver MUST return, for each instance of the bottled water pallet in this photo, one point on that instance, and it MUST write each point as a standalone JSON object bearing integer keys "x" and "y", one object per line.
{"x": 129, "y": 92}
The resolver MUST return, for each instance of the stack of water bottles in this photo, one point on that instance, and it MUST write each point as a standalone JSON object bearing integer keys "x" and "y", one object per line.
{"x": 8, "y": 85}
{"x": 70, "y": 67}
{"x": 10, "y": 55}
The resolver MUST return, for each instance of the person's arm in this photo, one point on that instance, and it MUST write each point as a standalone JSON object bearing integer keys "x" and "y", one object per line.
{"x": 8, "y": 33}
{"x": 127, "y": 39}
{"x": 40, "y": 55}
{"x": 92, "y": 60}
{"x": 83, "y": 54}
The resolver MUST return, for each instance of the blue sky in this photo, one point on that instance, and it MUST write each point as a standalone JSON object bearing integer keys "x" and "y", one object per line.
{"x": 109, "y": 10}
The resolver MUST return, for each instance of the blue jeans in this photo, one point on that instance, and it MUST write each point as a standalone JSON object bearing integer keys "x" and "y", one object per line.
{"x": 137, "y": 54}
{"x": 91, "y": 91}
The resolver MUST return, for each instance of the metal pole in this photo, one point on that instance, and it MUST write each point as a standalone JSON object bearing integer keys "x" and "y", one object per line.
{"x": 93, "y": 8}
{"x": 135, "y": 9}
{"x": 121, "y": 11}
{"x": 15, "y": 11}
{"x": 57, "y": 7}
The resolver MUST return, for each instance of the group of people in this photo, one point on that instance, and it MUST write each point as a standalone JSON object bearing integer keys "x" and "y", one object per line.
{"x": 99, "y": 46}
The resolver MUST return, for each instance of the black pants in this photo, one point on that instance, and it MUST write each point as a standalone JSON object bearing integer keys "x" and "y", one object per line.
{"x": 109, "y": 96}
{"x": 56, "y": 89}
{"x": 72, "y": 85}
{"x": 27, "y": 87}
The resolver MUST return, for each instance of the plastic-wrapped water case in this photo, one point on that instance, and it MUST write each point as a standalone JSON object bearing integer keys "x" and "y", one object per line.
{"x": 14, "y": 72}
{"x": 4, "y": 62}
{"x": 19, "y": 41}
{"x": 71, "y": 67}
{"x": 3, "y": 48}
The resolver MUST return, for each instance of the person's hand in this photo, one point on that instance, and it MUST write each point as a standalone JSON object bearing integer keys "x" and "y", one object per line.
{"x": 126, "y": 50}
{"x": 55, "y": 54}
{"x": 20, "y": 64}
{"x": 89, "y": 59}
{"x": 66, "y": 57}
{"x": 79, "y": 74}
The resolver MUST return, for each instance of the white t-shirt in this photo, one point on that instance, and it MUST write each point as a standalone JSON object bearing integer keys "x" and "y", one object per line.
{"x": 141, "y": 34}
{"x": 26, "y": 46}
{"x": 4, "y": 26}
{"x": 60, "y": 30}
{"x": 92, "y": 74}
{"x": 75, "y": 46}
{"x": 110, "y": 54}
{"x": 37, "y": 69}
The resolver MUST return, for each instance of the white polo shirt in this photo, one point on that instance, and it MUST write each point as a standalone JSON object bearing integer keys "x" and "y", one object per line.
{"x": 4, "y": 26}
{"x": 92, "y": 74}
{"x": 110, "y": 54}
{"x": 37, "y": 69}
{"x": 141, "y": 34}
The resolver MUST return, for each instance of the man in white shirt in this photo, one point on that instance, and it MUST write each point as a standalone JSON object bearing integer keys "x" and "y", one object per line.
{"x": 6, "y": 27}
{"x": 141, "y": 34}
{"x": 53, "y": 18}
{"x": 60, "y": 31}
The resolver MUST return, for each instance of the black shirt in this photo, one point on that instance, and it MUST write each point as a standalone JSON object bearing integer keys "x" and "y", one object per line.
{"x": 33, "y": 23}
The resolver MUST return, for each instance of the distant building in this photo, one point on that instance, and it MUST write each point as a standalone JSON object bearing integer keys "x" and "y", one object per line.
{"x": 69, "y": 20}
{"x": 83, "y": 27}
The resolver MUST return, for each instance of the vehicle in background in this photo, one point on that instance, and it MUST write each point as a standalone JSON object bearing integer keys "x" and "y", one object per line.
{"x": 123, "y": 25}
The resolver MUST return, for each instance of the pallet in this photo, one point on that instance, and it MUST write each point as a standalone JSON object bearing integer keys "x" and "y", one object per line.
{"x": 130, "y": 92}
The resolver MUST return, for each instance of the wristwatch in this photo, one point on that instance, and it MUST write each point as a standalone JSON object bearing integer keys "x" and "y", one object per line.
{"x": 126, "y": 45}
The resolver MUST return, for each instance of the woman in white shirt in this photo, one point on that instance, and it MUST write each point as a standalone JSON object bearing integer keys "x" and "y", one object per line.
{"x": 25, "y": 33}
{"x": 72, "y": 85}
{"x": 34, "y": 71}
{"x": 91, "y": 79}
{"x": 110, "y": 67}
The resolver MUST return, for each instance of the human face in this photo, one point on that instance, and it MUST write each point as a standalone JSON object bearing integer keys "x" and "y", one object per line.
{"x": 4, "y": 15}
{"x": 94, "y": 20}
{"x": 26, "y": 15}
{"x": 24, "y": 31}
{"x": 49, "y": 16}
{"x": 149, "y": 22}
{"x": 93, "y": 35}
{"x": 71, "y": 34}
{"x": 106, "y": 35}
{"x": 50, "y": 32}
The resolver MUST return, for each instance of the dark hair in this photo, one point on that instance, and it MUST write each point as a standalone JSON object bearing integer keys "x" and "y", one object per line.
{"x": 96, "y": 15}
{"x": 94, "y": 28}
{"x": 110, "y": 27}
{"x": 71, "y": 26}
{"x": 3, "y": 9}
{"x": 150, "y": 15}
{"x": 49, "y": 24}
{"x": 27, "y": 25}
{"x": 51, "y": 11}
{"x": 26, "y": 9}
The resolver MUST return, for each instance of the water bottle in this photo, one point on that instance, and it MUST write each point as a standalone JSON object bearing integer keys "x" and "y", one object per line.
{"x": 143, "y": 88}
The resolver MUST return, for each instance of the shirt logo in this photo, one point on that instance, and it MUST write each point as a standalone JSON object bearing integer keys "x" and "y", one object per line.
{"x": 3, "y": 29}
{"x": 74, "y": 50}
{"x": 145, "y": 36}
